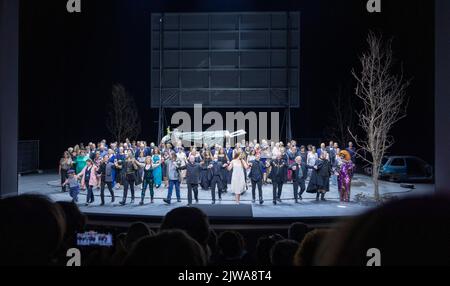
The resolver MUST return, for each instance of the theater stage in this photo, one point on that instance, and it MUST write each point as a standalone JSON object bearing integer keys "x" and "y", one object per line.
{"x": 226, "y": 210}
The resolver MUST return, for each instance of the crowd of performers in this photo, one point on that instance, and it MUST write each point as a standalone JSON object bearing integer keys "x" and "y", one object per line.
{"x": 249, "y": 165}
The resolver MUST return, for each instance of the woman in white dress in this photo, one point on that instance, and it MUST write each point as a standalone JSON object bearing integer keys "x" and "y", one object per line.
{"x": 238, "y": 184}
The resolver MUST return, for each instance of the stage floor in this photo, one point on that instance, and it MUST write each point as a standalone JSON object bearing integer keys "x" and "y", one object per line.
{"x": 47, "y": 184}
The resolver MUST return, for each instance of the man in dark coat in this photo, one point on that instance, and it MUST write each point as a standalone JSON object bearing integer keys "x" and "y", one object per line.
{"x": 331, "y": 152}
{"x": 303, "y": 154}
{"x": 320, "y": 177}
{"x": 256, "y": 177}
{"x": 278, "y": 175}
{"x": 192, "y": 178}
{"x": 217, "y": 177}
{"x": 299, "y": 175}
{"x": 229, "y": 153}
{"x": 105, "y": 171}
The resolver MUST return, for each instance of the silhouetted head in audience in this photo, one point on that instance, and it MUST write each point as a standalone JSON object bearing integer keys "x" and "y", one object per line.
{"x": 411, "y": 232}
{"x": 192, "y": 220}
{"x": 31, "y": 230}
{"x": 306, "y": 253}
{"x": 231, "y": 245}
{"x": 120, "y": 240}
{"x": 263, "y": 248}
{"x": 297, "y": 231}
{"x": 167, "y": 248}
{"x": 213, "y": 242}
{"x": 75, "y": 222}
{"x": 136, "y": 231}
{"x": 282, "y": 253}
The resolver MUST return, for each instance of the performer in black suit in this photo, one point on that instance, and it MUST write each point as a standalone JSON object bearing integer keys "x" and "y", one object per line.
{"x": 256, "y": 177}
{"x": 205, "y": 175}
{"x": 299, "y": 175}
{"x": 320, "y": 178}
{"x": 223, "y": 158}
{"x": 192, "y": 178}
{"x": 278, "y": 175}
{"x": 217, "y": 177}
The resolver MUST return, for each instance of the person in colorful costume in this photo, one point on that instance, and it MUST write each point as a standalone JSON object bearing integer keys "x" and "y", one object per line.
{"x": 345, "y": 175}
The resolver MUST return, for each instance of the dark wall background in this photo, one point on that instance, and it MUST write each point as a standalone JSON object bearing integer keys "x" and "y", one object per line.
{"x": 9, "y": 83}
{"x": 442, "y": 100}
{"x": 70, "y": 61}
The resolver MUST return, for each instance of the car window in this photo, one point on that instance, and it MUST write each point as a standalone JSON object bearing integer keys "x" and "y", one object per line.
{"x": 398, "y": 162}
{"x": 415, "y": 166}
{"x": 384, "y": 161}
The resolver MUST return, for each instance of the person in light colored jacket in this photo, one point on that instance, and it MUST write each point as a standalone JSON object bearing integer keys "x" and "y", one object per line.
{"x": 89, "y": 178}
{"x": 173, "y": 166}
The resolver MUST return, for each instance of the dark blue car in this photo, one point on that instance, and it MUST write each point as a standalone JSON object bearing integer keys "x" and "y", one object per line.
{"x": 405, "y": 168}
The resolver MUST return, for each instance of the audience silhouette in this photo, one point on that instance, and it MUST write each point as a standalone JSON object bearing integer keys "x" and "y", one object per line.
{"x": 416, "y": 231}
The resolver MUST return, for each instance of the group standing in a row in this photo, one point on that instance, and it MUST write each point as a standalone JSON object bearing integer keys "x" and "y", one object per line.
{"x": 214, "y": 168}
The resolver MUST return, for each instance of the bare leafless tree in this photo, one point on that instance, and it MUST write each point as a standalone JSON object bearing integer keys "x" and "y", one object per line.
{"x": 342, "y": 119}
{"x": 123, "y": 119}
{"x": 383, "y": 95}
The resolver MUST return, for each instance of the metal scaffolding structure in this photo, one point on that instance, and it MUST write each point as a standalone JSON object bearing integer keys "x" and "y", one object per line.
{"x": 230, "y": 60}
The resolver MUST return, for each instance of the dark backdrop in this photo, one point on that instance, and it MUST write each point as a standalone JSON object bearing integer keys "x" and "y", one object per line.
{"x": 70, "y": 61}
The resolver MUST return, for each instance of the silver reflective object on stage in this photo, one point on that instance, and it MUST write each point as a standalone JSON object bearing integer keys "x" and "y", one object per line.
{"x": 206, "y": 137}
